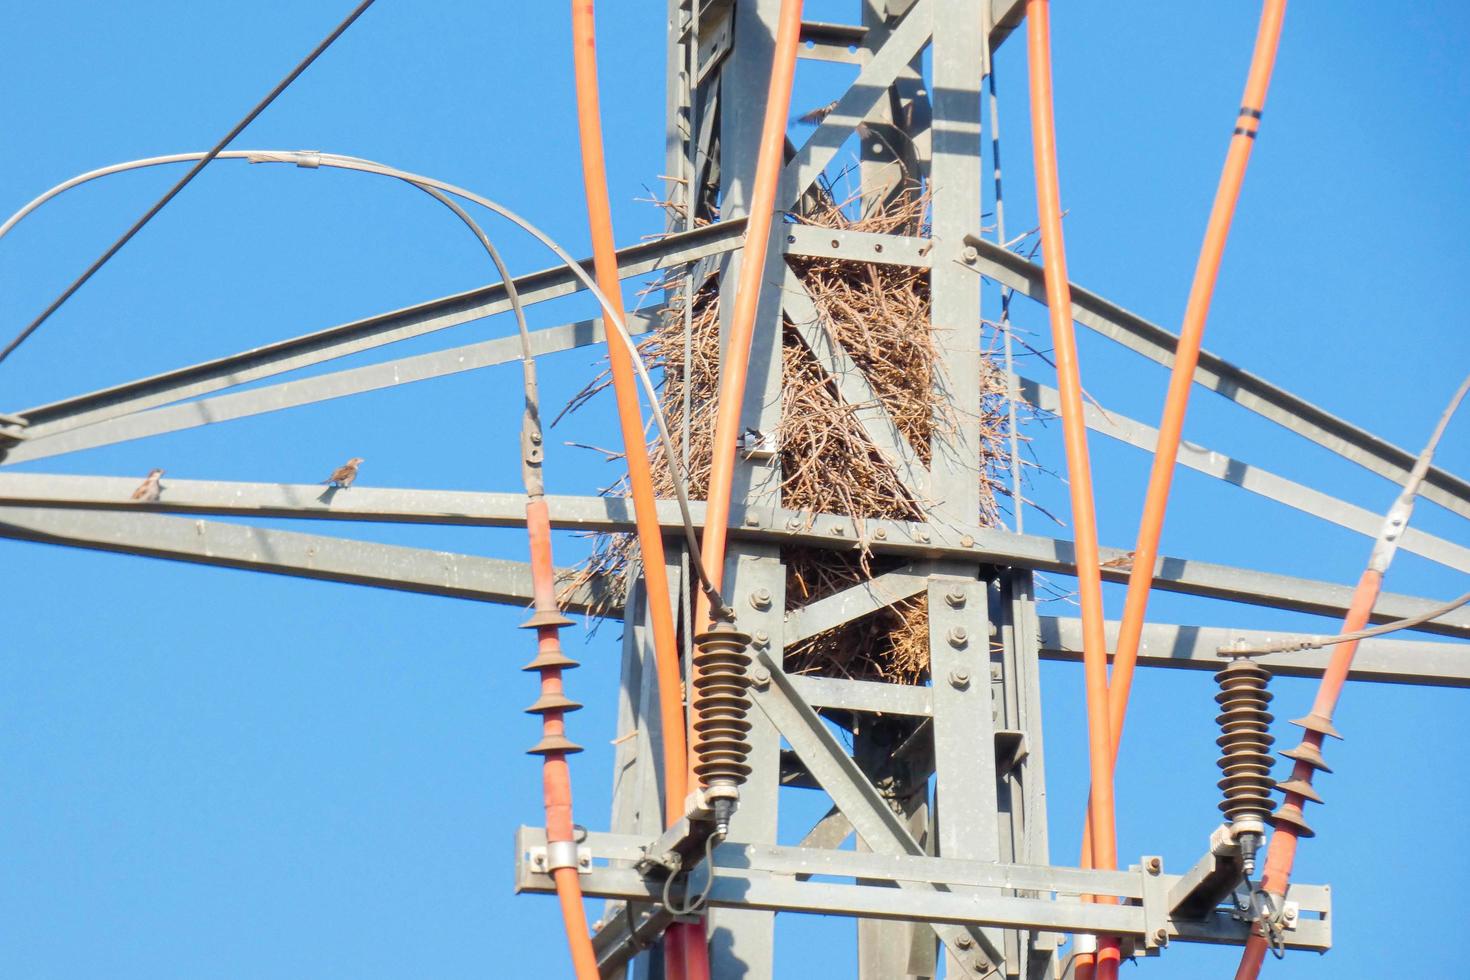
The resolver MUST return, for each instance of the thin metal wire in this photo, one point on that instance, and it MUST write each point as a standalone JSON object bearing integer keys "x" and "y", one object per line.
{"x": 1013, "y": 389}
{"x": 173, "y": 191}
{"x": 1317, "y": 642}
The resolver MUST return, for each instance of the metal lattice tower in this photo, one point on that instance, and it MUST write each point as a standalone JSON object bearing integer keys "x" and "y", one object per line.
{"x": 952, "y": 872}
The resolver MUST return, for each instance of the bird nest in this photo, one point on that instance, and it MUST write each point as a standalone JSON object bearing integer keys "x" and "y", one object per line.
{"x": 879, "y": 316}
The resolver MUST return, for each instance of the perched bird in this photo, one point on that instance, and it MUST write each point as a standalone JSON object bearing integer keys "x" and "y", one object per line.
{"x": 343, "y": 475}
{"x": 149, "y": 490}
{"x": 1122, "y": 561}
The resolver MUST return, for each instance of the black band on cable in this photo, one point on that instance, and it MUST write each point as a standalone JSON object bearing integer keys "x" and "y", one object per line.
{"x": 1239, "y": 131}
{"x": 1246, "y": 110}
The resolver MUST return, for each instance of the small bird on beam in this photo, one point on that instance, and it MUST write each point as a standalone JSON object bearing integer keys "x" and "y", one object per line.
{"x": 1122, "y": 561}
{"x": 343, "y": 475}
{"x": 150, "y": 489}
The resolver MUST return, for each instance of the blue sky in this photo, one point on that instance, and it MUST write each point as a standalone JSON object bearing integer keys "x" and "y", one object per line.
{"x": 205, "y": 772}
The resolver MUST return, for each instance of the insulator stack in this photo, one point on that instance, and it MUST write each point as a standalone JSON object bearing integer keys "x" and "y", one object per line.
{"x": 721, "y": 704}
{"x": 552, "y": 705}
{"x": 1245, "y": 745}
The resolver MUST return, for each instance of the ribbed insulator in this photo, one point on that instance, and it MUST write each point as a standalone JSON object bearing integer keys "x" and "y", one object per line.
{"x": 721, "y": 703}
{"x": 1245, "y": 741}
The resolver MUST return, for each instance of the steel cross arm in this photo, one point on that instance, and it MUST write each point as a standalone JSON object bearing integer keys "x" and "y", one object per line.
{"x": 256, "y": 549}
{"x": 915, "y": 541}
{"x": 64, "y": 437}
{"x": 770, "y": 877}
{"x": 871, "y": 817}
{"x": 1388, "y": 660}
{"x": 375, "y": 331}
{"x": 1252, "y": 478}
{"x": 1214, "y": 372}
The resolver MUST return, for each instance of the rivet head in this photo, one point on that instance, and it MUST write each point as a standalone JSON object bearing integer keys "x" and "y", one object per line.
{"x": 959, "y": 677}
{"x": 761, "y": 598}
{"x": 955, "y": 597}
{"x": 959, "y": 636}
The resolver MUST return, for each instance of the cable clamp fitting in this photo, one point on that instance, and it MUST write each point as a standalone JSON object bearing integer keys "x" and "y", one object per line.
{"x": 561, "y": 854}
{"x": 309, "y": 159}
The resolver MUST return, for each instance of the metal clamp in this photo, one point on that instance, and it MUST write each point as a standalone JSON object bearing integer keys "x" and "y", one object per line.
{"x": 561, "y": 854}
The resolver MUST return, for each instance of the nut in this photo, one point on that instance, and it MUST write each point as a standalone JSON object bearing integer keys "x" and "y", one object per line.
{"x": 955, "y": 597}
{"x": 959, "y": 677}
{"x": 1155, "y": 865}
{"x": 959, "y": 636}
{"x": 761, "y": 678}
{"x": 967, "y": 542}
{"x": 761, "y": 638}
{"x": 761, "y": 598}
{"x": 964, "y": 942}
{"x": 1161, "y": 936}
{"x": 880, "y": 533}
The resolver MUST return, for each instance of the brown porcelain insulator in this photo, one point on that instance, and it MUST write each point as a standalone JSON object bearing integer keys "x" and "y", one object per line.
{"x": 721, "y": 705}
{"x": 1245, "y": 741}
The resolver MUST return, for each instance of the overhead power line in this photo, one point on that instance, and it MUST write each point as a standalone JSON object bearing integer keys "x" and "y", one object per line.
{"x": 173, "y": 191}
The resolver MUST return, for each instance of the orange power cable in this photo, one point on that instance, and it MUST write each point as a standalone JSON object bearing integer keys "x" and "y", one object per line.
{"x": 554, "y": 747}
{"x": 736, "y": 364}
{"x": 640, "y": 473}
{"x": 1186, "y": 357}
{"x": 1290, "y": 823}
{"x": 1079, "y": 471}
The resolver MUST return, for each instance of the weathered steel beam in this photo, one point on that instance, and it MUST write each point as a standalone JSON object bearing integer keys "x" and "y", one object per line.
{"x": 44, "y": 442}
{"x": 1391, "y": 660}
{"x": 1247, "y": 390}
{"x": 914, "y": 541}
{"x": 359, "y": 335}
{"x": 257, "y": 549}
{"x": 1253, "y": 479}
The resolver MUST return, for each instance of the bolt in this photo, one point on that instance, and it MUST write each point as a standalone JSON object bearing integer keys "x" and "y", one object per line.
{"x": 959, "y": 636}
{"x": 955, "y": 597}
{"x": 959, "y": 677}
{"x": 1290, "y": 914}
{"x": 880, "y": 533}
{"x": 761, "y": 678}
{"x": 964, "y": 942}
{"x": 924, "y": 535}
{"x": 794, "y": 523}
{"x": 536, "y": 438}
{"x": 982, "y": 965}
{"x": 1155, "y": 865}
{"x": 837, "y": 530}
{"x": 971, "y": 255}
{"x": 1161, "y": 936}
{"x": 762, "y": 638}
{"x": 752, "y": 520}
{"x": 967, "y": 542}
{"x": 761, "y": 598}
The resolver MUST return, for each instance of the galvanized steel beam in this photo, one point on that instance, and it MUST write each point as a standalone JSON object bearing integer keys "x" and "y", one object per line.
{"x": 915, "y": 541}
{"x": 257, "y": 549}
{"x": 57, "y": 440}
{"x": 374, "y": 331}
{"x": 1226, "y": 379}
